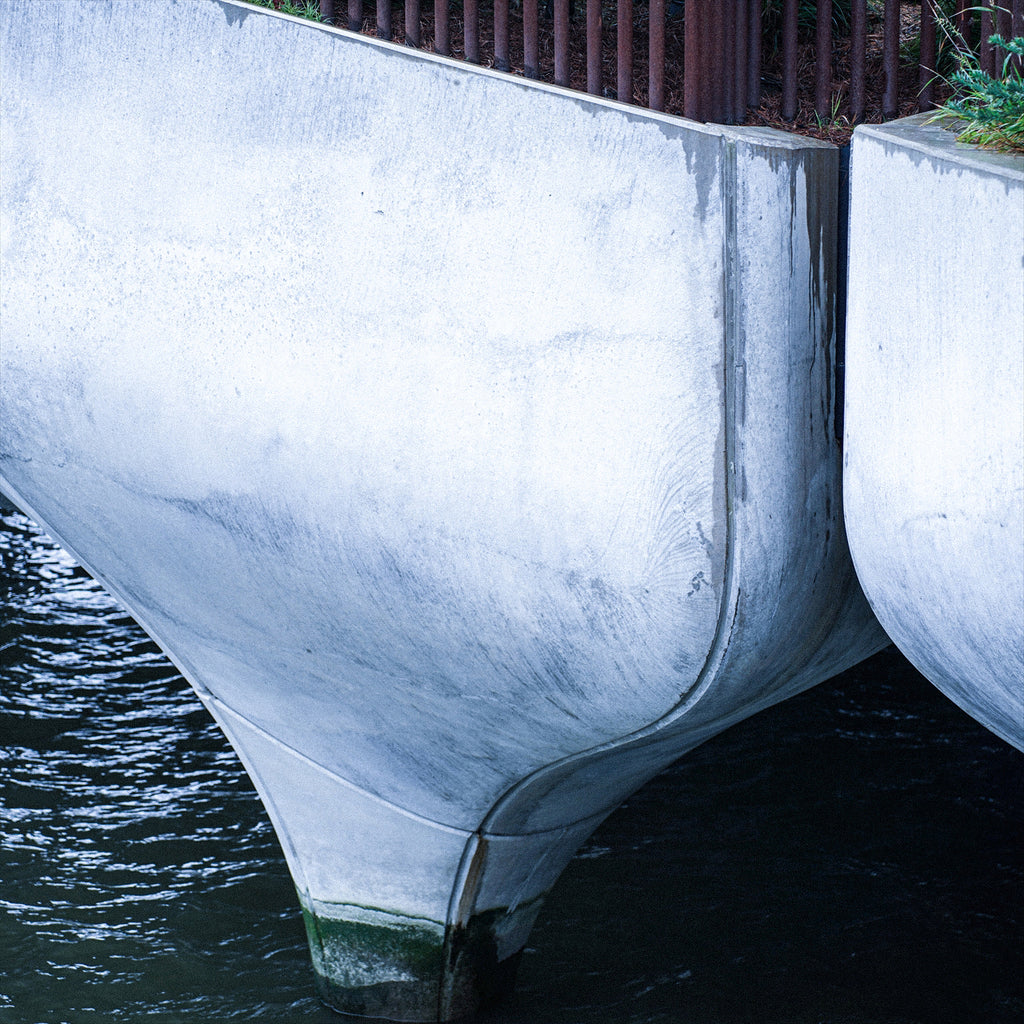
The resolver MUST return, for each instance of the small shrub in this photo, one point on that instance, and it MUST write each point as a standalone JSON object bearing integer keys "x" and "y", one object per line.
{"x": 992, "y": 109}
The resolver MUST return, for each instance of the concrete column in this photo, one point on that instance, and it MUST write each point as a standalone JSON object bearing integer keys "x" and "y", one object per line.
{"x": 469, "y": 444}
{"x": 935, "y": 408}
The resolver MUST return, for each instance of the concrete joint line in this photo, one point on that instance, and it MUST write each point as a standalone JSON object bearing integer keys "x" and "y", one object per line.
{"x": 471, "y": 865}
{"x": 215, "y": 702}
{"x": 732, "y": 367}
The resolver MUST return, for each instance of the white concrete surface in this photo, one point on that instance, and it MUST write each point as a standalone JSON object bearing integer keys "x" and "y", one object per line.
{"x": 935, "y": 409}
{"x": 469, "y": 444}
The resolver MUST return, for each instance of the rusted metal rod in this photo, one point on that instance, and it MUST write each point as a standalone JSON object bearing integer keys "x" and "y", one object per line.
{"x": 442, "y": 31}
{"x": 531, "y": 40}
{"x": 928, "y": 58}
{"x": 1004, "y": 26}
{"x": 962, "y": 18}
{"x": 594, "y": 47}
{"x": 412, "y": 22}
{"x": 692, "y": 78}
{"x": 858, "y": 54}
{"x": 823, "y": 61}
{"x": 561, "y": 42}
{"x": 501, "y": 36}
{"x": 727, "y": 69}
{"x": 384, "y": 19}
{"x": 789, "y": 34}
{"x": 1018, "y": 30}
{"x": 471, "y": 30}
{"x": 722, "y": 48}
{"x": 890, "y": 58}
{"x": 739, "y": 34}
{"x": 986, "y": 51}
{"x": 742, "y": 59}
{"x": 656, "y": 56}
{"x": 754, "y": 55}
{"x": 714, "y": 56}
{"x": 624, "y": 46}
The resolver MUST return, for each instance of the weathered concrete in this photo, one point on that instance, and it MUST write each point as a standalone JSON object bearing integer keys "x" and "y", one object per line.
{"x": 468, "y": 444}
{"x": 935, "y": 409}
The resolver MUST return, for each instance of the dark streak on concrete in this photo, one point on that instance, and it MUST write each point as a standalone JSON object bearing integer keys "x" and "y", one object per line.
{"x": 234, "y": 14}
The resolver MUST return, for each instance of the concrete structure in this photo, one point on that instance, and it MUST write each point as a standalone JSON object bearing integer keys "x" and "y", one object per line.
{"x": 470, "y": 445}
{"x": 935, "y": 409}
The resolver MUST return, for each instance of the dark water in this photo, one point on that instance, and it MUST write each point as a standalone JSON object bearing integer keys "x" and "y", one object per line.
{"x": 851, "y": 856}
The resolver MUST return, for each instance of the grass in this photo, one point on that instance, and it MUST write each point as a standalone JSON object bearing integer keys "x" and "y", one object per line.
{"x": 834, "y": 121}
{"x": 990, "y": 109}
{"x": 300, "y": 8}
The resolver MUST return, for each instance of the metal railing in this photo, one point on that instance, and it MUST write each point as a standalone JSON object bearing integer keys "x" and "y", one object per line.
{"x": 709, "y": 60}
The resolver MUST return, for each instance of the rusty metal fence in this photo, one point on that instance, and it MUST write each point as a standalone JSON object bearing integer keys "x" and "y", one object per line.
{"x": 705, "y": 59}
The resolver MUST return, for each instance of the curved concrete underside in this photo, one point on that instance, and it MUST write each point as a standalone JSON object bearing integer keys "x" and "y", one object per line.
{"x": 935, "y": 409}
{"x": 467, "y": 443}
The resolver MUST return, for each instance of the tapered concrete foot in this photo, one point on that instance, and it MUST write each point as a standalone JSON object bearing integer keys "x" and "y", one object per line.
{"x": 378, "y": 964}
{"x": 408, "y": 919}
{"x": 374, "y": 963}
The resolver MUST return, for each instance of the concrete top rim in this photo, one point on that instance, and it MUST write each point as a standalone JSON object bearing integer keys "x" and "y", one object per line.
{"x": 927, "y": 134}
{"x": 755, "y": 135}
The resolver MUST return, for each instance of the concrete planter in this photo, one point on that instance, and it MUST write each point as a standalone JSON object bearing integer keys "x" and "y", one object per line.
{"x": 470, "y": 445}
{"x": 934, "y": 476}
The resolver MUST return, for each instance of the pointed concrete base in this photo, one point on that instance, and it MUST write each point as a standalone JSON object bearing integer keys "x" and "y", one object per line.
{"x": 407, "y": 919}
{"x": 376, "y": 964}
{"x": 459, "y": 572}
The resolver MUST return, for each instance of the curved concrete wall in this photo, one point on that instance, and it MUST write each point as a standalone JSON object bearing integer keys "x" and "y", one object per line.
{"x": 468, "y": 444}
{"x": 935, "y": 409}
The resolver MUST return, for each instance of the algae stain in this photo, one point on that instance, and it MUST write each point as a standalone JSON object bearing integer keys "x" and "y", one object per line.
{"x": 355, "y": 954}
{"x": 379, "y": 965}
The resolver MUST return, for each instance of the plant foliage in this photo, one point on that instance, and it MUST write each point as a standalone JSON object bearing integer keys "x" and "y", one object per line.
{"x": 992, "y": 108}
{"x": 309, "y": 9}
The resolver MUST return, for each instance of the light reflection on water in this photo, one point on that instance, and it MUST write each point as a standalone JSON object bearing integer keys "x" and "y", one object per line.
{"x": 851, "y": 856}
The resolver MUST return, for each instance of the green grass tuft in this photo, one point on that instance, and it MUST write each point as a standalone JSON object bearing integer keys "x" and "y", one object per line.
{"x": 299, "y": 8}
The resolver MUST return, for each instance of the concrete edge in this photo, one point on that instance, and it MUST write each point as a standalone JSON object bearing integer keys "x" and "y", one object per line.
{"x": 931, "y": 135}
{"x": 755, "y": 135}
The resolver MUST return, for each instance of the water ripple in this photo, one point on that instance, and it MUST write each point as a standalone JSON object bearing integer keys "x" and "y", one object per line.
{"x": 853, "y": 855}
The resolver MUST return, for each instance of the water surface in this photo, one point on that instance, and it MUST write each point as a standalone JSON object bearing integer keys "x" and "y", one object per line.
{"x": 852, "y": 856}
